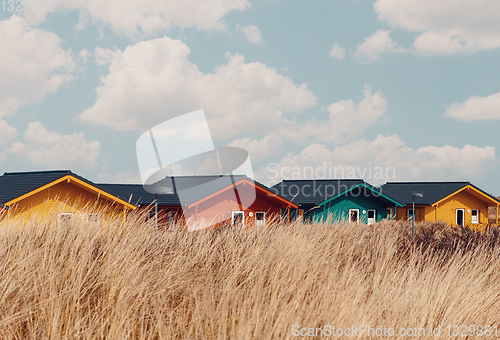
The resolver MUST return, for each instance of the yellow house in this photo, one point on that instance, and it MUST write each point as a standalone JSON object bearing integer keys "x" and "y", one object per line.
{"x": 455, "y": 203}
{"x": 60, "y": 195}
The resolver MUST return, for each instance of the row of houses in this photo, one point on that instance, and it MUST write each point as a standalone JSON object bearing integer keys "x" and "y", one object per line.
{"x": 195, "y": 202}
{"x": 455, "y": 203}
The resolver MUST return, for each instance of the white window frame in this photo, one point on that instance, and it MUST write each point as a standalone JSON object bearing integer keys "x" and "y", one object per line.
{"x": 171, "y": 221}
{"x": 368, "y": 216}
{"x": 412, "y": 215}
{"x": 260, "y": 223}
{"x": 350, "y": 215}
{"x": 60, "y": 215}
{"x": 463, "y": 216}
{"x": 236, "y": 212}
{"x": 472, "y": 216}
{"x": 390, "y": 213}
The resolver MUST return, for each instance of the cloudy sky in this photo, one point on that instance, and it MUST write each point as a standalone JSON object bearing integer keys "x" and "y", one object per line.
{"x": 304, "y": 86}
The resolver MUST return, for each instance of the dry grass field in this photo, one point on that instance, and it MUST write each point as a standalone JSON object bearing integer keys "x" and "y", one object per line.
{"x": 122, "y": 282}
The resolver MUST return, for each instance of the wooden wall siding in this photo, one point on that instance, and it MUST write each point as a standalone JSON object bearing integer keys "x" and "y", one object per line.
{"x": 145, "y": 213}
{"x": 446, "y": 210}
{"x": 420, "y": 213}
{"x": 338, "y": 209}
{"x": 64, "y": 197}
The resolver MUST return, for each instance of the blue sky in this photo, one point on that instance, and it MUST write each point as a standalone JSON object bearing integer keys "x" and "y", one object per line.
{"x": 392, "y": 89}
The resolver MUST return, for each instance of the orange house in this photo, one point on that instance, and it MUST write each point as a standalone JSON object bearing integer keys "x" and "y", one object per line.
{"x": 58, "y": 194}
{"x": 208, "y": 201}
{"x": 456, "y": 203}
{"x": 245, "y": 201}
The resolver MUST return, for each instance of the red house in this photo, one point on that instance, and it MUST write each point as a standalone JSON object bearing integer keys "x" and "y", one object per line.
{"x": 198, "y": 202}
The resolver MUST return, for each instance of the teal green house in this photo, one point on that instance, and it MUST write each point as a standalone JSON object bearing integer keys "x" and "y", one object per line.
{"x": 361, "y": 203}
{"x": 337, "y": 200}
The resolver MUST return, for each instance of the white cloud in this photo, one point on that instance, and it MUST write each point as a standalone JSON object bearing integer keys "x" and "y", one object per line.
{"x": 387, "y": 158}
{"x": 448, "y": 26}
{"x": 337, "y": 52}
{"x": 32, "y": 64}
{"x": 476, "y": 108}
{"x": 56, "y": 150}
{"x": 146, "y": 17}
{"x": 7, "y": 132}
{"x": 373, "y": 47}
{"x": 251, "y": 33}
{"x": 85, "y": 55}
{"x": 103, "y": 56}
{"x": 433, "y": 43}
{"x": 154, "y": 80}
{"x": 259, "y": 149}
{"x": 347, "y": 120}
{"x": 128, "y": 177}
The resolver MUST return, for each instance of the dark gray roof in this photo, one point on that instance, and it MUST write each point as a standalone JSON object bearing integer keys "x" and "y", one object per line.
{"x": 188, "y": 189}
{"x": 308, "y": 192}
{"x": 185, "y": 190}
{"x": 432, "y": 191}
{"x": 15, "y": 184}
{"x": 136, "y": 195}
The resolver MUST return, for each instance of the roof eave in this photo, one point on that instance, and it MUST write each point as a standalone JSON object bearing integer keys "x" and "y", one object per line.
{"x": 467, "y": 187}
{"x": 365, "y": 186}
{"x": 77, "y": 180}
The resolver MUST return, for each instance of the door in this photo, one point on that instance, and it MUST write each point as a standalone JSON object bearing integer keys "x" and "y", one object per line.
{"x": 389, "y": 213}
{"x": 371, "y": 217}
{"x": 411, "y": 215}
{"x": 354, "y": 215}
{"x": 260, "y": 218}
{"x": 238, "y": 218}
{"x": 460, "y": 217}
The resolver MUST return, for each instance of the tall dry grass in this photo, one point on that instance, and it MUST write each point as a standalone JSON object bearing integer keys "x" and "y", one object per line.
{"x": 121, "y": 282}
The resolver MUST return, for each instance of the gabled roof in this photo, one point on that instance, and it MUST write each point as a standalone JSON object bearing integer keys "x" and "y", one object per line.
{"x": 371, "y": 189}
{"x": 260, "y": 188}
{"x": 313, "y": 191}
{"x": 188, "y": 189}
{"x": 15, "y": 186}
{"x": 433, "y": 192}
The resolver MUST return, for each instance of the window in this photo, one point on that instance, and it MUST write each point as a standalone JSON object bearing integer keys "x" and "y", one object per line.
{"x": 475, "y": 216}
{"x": 389, "y": 214}
{"x": 371, "y": 216}
{"x": 460, "y": 217}
{"x": 171, "y": 221}
{"x": 300, "y": 219}
{"x": 151, "y": 219}
{"x": 411, "y": 214}
{"x": 94, "y": 218}
{"x": 238, "y": 218}
{"x": 354, "y": 215}
{"x": 64, "y": 219}
{"x": 260, "y": 218}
